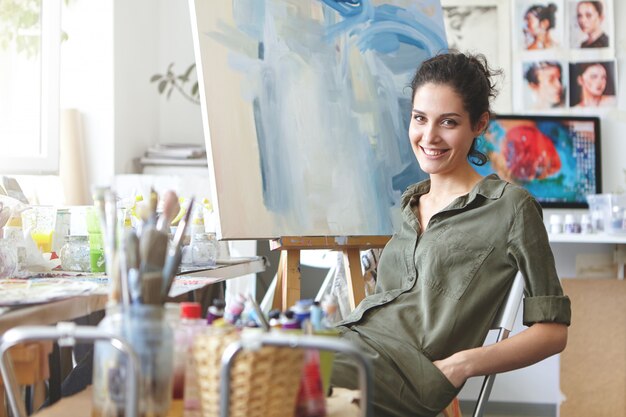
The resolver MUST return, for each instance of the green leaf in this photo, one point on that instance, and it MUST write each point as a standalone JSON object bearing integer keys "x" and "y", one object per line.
{"x": 169, "y": 93}
{"x": 194, "y": 89}
{"x": 188, "y": 72}
{"x": 162, "y": 86}
{"x": 155, "y": 77}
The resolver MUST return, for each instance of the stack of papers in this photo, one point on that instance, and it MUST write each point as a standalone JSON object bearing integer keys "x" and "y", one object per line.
{"x": 175, "y": 154}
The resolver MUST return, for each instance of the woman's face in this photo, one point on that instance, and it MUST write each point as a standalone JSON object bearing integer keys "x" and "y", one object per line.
{"x": 589, "y": 19}
{"x": 593, "y": 80}
{"x": 440, "y": 131}
{"x": 532, "y": 24}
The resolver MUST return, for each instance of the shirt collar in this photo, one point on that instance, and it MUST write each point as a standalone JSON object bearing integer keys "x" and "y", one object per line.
{"x": 490, "y": 187}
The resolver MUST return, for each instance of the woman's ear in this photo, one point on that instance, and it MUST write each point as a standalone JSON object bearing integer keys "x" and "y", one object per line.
{"x": 483, "y": 121}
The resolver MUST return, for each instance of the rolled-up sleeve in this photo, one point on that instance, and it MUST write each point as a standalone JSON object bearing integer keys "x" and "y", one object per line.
{"x": 529, "y": 246}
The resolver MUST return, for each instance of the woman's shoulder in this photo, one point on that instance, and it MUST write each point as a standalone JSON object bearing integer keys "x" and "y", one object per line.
{"x": 511, "y": 193}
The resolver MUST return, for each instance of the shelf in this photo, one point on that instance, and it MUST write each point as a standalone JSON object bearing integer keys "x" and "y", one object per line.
{"x": 587, "y": 238}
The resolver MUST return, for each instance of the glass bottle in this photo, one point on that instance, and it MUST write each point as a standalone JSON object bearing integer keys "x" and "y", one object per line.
{"x": 204, "y": 249}
{"x": 8, "y": 258}
{"x": 75, "y": 254}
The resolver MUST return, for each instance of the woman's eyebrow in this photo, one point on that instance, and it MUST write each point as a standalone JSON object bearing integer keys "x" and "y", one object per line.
{"x": 451, "y": 114}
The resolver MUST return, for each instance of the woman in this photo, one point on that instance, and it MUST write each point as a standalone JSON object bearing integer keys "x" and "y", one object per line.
{"x": 590, "y": 15}
{"x": 593, "y": 81}
{"x": 442, "y": 275}
{"x": 539, "y": 21}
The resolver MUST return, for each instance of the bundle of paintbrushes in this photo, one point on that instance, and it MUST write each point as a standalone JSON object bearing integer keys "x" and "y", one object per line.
{"x": 142, "y": 263}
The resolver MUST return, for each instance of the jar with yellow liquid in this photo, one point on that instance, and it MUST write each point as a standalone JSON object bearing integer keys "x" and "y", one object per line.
{"x": 40, "y": 220}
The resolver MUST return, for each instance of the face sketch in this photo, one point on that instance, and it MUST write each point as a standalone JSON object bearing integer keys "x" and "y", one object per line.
{"x": 533, "y": 26}
{"x": 593, "y": 80}
{"x": 441, "y": 132}
{"x": 549, "y": 88}
{"x": 589, "y": 19}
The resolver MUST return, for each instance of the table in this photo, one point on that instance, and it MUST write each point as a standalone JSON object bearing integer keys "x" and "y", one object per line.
{"x": 70, "y": 308}
{"x": 340, "y": 404}
{"x": 64, "y": 309}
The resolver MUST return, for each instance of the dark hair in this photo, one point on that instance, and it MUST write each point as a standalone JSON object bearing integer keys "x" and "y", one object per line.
{"x": 595, "y": 3}
{"x": 543, "y": 13}
{"x": 531, "y": 72}
{"x": 471, "y": 78}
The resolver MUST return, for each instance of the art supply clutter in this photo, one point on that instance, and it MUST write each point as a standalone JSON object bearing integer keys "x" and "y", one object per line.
{"x": 141, "y": 265}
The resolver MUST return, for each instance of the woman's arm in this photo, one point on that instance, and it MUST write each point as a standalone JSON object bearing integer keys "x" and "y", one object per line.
{"x": 532, "y": 345}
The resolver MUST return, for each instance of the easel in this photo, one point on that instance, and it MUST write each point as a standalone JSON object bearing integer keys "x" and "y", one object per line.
{"x": 288, "y": 275}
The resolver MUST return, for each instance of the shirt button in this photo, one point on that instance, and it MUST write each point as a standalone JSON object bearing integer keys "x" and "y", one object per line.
{"x": 411, "y": 278}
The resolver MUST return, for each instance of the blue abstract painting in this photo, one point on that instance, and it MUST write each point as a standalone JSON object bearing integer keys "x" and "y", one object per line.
{"x": 306, "y": 106}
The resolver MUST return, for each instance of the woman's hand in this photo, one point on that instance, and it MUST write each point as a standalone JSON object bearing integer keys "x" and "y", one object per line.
{"x": 453, "y": 368}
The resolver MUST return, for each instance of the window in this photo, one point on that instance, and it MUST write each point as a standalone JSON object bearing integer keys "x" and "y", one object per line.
{"x": 30, "y": 37}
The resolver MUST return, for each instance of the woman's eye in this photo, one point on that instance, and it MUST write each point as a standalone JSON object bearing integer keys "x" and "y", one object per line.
{"x": 448, "y": 122}
{"x": 418, "y": 118}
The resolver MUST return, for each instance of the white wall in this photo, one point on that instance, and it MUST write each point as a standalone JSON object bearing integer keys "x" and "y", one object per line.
{"x": 114, "y": 48}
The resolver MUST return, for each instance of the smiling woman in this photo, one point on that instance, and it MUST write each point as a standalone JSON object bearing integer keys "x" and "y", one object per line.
{"x": 29, "y": 86}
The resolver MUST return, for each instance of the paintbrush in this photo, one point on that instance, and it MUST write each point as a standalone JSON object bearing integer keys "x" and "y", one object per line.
{"x": 174, "y": 254}
{"x": 133, "y": 275}
{"x": 171, "y": 207}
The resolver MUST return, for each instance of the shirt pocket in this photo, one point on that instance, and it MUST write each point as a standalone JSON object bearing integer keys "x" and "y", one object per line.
{"x": 451, "y": 260}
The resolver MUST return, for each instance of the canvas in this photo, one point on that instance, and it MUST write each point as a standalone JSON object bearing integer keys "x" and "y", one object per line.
{"x": 306, "y": 106}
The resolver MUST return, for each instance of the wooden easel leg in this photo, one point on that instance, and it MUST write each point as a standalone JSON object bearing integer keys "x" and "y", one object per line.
{"x": 354, "y": 276}
{"x": 277, "y": 301}
{"x": 291, "y": 278}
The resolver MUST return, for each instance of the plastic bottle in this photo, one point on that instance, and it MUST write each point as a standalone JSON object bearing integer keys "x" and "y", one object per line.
{"x": 316, "y": 316}
{"x": 215, "y": 310}
{"x": 233, "y": 311}
{"x": 302, "y": 310}
{"x": 289, "y": 321}
{"x": 571, "y": 225}
{"x": 185, "y": 389}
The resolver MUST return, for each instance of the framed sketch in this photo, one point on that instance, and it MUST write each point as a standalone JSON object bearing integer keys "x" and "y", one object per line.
{"x": 306, "y": 107}
{"x": 483, "y": 26}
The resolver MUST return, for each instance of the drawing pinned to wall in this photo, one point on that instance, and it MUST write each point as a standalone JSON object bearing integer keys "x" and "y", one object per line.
{"x": 541, "y": 25}
{"x": 592, "y": 84}
{"x": 482, "y": 26}
{"x": 306, "y": 110}
{"x": 545, "y": 85}
{"x": 590, "y": 26}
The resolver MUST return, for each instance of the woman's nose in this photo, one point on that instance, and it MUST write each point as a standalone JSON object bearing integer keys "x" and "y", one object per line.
{"x": 429, "y": 135}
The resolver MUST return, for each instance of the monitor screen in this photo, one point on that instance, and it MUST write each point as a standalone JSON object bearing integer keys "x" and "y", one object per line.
{"x": 556, "y": 158}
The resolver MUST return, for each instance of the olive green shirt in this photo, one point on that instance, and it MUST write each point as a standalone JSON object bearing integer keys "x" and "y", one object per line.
{"x": 438, "y": 292}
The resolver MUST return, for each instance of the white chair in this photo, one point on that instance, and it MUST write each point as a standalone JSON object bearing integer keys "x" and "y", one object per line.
{"x": 504, "y": 324}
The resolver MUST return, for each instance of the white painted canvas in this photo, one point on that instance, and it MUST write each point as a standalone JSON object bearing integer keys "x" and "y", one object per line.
{"x": 306, "y": 105}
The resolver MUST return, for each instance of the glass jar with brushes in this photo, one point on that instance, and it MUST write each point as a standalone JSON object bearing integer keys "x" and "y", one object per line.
{"x": 145, "y": 328}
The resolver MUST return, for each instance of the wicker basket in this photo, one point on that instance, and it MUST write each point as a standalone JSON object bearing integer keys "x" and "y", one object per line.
{"x": 264, "y": 382}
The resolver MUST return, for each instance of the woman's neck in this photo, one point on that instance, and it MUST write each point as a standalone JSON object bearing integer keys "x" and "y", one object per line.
{"x": 589, "y": 100}
{"x": 593, "y": 36}
{"x": 447, "y": 187}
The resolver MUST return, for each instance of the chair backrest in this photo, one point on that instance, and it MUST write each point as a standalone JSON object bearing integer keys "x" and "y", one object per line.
{"x": 504, "y": 324}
